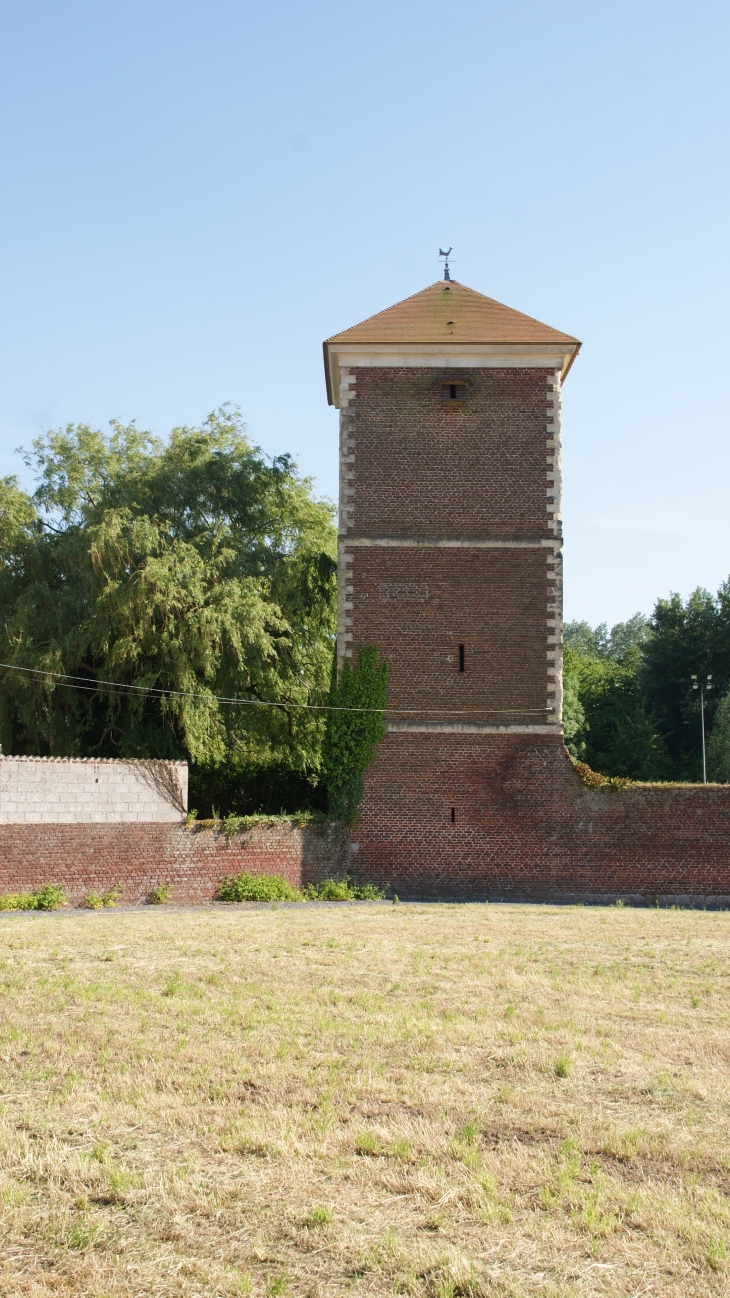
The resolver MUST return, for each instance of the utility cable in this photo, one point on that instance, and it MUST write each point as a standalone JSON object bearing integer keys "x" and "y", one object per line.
{"x": 93, "y": 687}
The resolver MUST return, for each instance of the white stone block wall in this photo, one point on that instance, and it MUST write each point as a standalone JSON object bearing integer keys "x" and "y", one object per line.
{"x": 70, "y": 790}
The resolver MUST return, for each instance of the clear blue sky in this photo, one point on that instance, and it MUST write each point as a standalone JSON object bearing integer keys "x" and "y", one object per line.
{"x": 196, "y": 194}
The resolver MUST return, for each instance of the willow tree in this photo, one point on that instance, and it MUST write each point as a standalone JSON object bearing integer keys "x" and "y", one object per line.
{"x": 180, "y": 571}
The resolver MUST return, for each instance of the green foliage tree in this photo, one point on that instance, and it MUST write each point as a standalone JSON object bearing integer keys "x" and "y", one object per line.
{"x": 686, "y": 638}
{"x": 618, "y": 736}
{"x": 353, "y": 733}
{"x": 622, "y": 644}
{"x": 196, "y": 566}
{"x": 718, "y": 743}
{"x": 574, "y": 717}
{"x": 641, "y": 715}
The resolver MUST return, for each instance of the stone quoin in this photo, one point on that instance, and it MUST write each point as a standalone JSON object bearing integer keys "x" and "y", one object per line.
{"x": 450, "y": 561}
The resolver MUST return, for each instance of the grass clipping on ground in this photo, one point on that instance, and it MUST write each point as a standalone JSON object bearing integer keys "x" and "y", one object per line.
{"x": 425, "y": 1100}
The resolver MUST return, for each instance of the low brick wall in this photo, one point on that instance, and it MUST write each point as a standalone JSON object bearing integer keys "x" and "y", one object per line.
{"x": 193, "y": 859}
{"x": 526, "y": 826}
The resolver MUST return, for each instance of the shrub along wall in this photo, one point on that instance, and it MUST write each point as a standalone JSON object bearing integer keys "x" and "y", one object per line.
{"x": 191, "y": 858}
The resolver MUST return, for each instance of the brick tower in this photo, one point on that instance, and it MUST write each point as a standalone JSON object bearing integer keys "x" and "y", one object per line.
{"x": 450, "y": 562}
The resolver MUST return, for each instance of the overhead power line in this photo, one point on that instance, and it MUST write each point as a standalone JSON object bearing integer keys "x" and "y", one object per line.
{"x": 108, "y": 687}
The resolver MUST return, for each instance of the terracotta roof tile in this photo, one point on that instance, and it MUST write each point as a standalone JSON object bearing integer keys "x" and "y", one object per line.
{"x": 451, "y": 313}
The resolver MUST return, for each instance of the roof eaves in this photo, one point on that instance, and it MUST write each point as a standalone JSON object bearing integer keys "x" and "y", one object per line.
{"x": 325, "y": 349}
{"x": 454, "y": 342}
{"x": 569, "y": 366}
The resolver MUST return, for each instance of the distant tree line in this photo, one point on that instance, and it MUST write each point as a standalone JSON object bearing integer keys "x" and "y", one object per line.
{"x": 629, "y": 705}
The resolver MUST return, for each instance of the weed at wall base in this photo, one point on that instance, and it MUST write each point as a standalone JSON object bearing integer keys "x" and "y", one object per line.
{"x": 101, "y": 900}
{"x": 17, "y": 901}
{"x": 342, "y": 890}
{"x": 50, "y": 896}
{"x": 256, "y": 887}
{"x": 271, "y": 887}
{"x": 160, "y": 895}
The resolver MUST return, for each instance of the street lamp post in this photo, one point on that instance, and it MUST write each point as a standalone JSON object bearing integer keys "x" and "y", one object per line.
{"x": 697, "y": 685}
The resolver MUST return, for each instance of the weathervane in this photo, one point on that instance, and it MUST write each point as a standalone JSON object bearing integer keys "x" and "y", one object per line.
{"x": 446, "y": 256}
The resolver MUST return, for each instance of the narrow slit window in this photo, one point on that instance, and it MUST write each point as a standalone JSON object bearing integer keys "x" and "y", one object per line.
{"x": 453, "y": 814}
{"x": 461, "y": 657}
{"x": 452, "y": 394}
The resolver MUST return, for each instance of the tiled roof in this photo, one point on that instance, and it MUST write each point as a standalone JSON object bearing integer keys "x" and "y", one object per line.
{"x": 451, "y": 313}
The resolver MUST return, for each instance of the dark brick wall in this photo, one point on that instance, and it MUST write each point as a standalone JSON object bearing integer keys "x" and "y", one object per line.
{"x": 192, "y": 859}
{"x": 420, "y": 603}
{"x": 421, "y": 473}
{"x": 527, "y": 827}
{"x": 479, "y": 470}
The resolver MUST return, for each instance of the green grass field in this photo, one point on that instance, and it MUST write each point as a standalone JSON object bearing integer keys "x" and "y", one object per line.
{"x": 366, "y": 1099}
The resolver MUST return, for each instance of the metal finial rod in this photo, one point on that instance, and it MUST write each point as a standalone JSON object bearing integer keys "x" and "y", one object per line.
{"x": 446, "y": 256}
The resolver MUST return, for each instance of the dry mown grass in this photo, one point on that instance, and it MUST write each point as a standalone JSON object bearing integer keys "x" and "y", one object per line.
{"x": 426, "y": 1100}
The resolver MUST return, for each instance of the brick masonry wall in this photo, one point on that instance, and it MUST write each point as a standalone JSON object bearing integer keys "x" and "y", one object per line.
{"x": 418, "y": 604}
{"x": 193, "y": 859}
{"x": 526, "y": 826}
{"x": 449, "y": 536}
{"x": 421, "y": 467}
{"x": 57, "y": 790}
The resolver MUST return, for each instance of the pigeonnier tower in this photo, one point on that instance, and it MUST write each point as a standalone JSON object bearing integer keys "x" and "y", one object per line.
{"x": 450, "y": 562}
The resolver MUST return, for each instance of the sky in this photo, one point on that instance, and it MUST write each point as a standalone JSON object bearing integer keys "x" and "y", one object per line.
{"x": 195, "y": 194}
